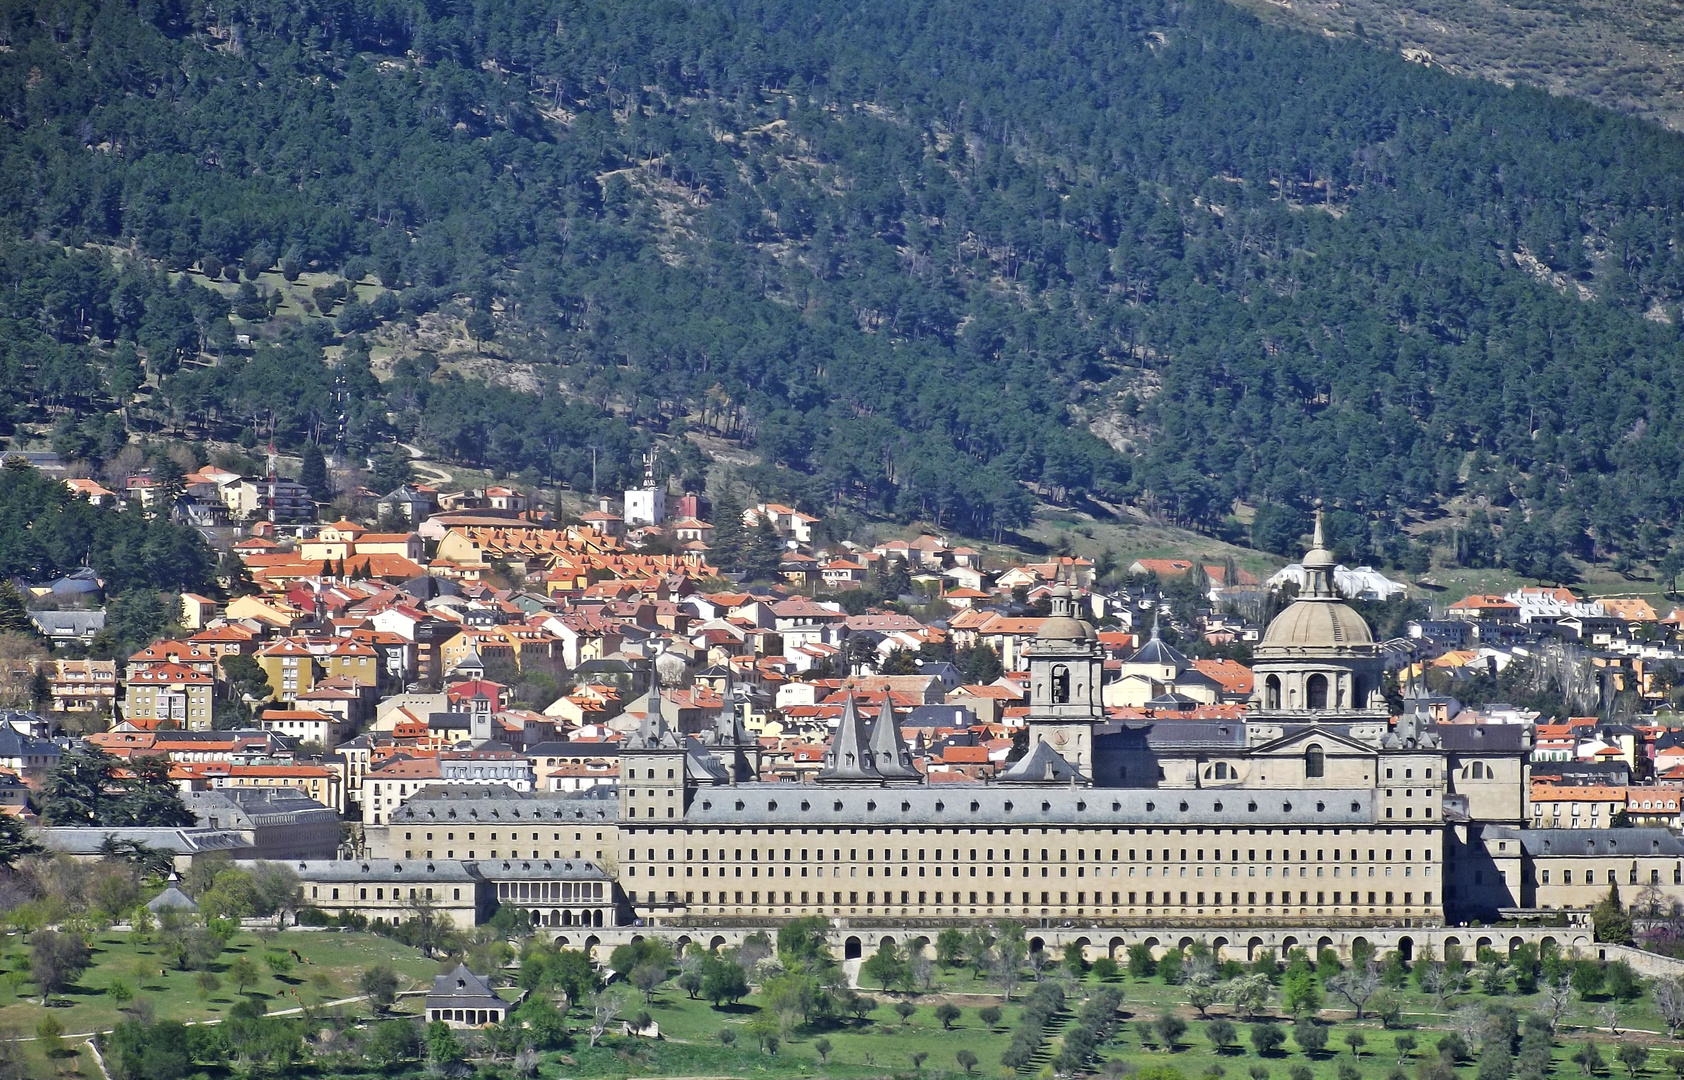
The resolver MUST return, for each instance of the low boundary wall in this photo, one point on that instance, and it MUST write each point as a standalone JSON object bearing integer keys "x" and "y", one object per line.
{"x": 1229, "y": 943}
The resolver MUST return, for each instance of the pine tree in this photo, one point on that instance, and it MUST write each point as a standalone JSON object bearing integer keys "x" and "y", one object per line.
{"x": 14, "y": 615}
{"x": 765, "y": 550}
{"x": 730, "y": 538}
{"x": 313, "y": 473}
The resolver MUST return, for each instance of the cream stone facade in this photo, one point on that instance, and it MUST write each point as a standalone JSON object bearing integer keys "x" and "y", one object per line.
{"x": 1319, "y": 814}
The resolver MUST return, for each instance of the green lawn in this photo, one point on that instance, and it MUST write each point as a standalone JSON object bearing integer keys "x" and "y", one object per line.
{"x": 175, "y": 995}
{"x": 879, "y": 1045}
{"x": 882, "y": 1045}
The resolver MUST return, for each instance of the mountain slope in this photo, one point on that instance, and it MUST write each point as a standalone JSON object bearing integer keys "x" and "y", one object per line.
{"x": 906, "y": 254}
{"x": 1623, "y": 55}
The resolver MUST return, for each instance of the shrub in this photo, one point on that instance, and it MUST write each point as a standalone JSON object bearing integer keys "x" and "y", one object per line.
{"x": 1267, "y": 1038}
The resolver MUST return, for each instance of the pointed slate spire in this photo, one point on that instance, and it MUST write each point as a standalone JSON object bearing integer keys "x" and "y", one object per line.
{"x": 849, "y": 756}
{"x": 888, "y": 749}
{"x": 654, "y": 733}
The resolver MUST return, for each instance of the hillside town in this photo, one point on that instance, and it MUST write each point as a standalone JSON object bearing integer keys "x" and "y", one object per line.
{"x": 465, "y": 662}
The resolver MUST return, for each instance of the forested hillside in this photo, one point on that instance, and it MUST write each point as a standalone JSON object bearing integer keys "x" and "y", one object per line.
{"x": 1620, "y": 54}
{"x": 928, "y": 259}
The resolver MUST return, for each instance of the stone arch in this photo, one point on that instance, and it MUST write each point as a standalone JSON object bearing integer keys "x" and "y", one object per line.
{"x": 1482, "y": 943}
{"x": 590, "y": 946}
{"x": 1452, "y": 942}
{"x": 1252, "y": 946}
{"x": 1037, "y": 944}
{"x": 917, "y": 946}
{"x": 561, "y": 941}
{"x": 1580, "y": 941}
{"x": 1184, "y": 944}
{"x": 596, "y": 917}
{"x": 635, "y": 938}
{"x": 717, "y": 943}
{"x": 1288, "y": 943}
{"x": 683, "y": 943}
{"x": 1358, "y": 943}
{"x": 1406, "y": 948}
{"x": 851, "y": 949}
{"x": 1515, "y": 943}
{"x": 1323, "y": 942}
{"x": 1117, "y": 948}
{"x": 1060, "y": 685}
{"x": 1315, "y": 691}
{"x": 1216, "y": 947}
{"x": 1548, "y": 942}
{"x": 888, "y": 939}
{"x": 1272, "y": 692}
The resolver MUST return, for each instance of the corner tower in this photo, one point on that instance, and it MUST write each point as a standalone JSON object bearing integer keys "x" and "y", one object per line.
{"x": 1065, "y": 669}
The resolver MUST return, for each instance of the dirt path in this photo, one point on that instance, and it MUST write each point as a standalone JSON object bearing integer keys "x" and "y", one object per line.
{"x": 428, "y": 472}
{"x": 88, "y": 1035}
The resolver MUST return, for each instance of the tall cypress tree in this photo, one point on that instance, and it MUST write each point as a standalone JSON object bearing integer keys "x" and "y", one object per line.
{"x": 730, "y": 539}
{"x": 313, "y": 473}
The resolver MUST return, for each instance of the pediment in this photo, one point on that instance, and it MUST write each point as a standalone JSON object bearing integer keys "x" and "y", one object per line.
{"x": 1293, "y": 743}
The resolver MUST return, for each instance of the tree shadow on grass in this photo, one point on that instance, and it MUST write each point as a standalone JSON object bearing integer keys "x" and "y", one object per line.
{"x": 738, "y": 1009}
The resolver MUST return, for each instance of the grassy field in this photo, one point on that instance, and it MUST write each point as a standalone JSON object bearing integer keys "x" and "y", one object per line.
{"x": 333, "y": 963}
{"x": 882, "y": 1045}
{"x": 879, "y": 1044}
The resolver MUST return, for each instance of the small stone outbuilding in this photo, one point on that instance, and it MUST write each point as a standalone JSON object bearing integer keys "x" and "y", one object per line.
{"x": 465, "y": 1000}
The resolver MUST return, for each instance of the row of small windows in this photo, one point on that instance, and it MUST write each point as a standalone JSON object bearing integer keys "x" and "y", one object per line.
{"x": 1151, "y": 899}
{"x": 380, "y": 893}
{"x": 1589, "y": 877}
{"x": 956, "y": 855}
{"x": 512, "y": 836}
{"x": 983, "y": 831}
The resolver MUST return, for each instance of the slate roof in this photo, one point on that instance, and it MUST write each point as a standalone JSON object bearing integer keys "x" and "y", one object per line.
{"x": 849, "y": 755}
{"x": 462, "y": 989}
{"x": 888, "y": 748}
{"x": 171, "y": 899}
{"x": 90, "y": 839}
{"x": 1021, "y": 805}
{"x": 1043, "y": 765}
{"x": 15, "y": 744}
{"x": 1156, "y": 651}
{"x": 1481, "y": 738}
{"x": 1606, "y": 842}
{"x": 498, "y": 807}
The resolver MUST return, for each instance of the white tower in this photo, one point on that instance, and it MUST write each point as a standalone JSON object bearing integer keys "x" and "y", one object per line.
{"x": 646, "y": 505}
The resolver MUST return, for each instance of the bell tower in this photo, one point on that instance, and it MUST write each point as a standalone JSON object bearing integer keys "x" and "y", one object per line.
{"x": 1065, "y": 669}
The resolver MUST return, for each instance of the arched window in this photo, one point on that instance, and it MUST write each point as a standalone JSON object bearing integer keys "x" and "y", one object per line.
{"x": 1315, "y": 691}
{"x": 1272, "y": 692}
{"x": 1060, "y": 685}
{"x": 1315, "y": 762}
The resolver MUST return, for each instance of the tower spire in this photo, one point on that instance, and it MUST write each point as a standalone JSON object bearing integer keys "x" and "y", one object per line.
{"x": 849, "y": 756}
{"x": 1318, "y": 564}
{"x": 888, "y": 749}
